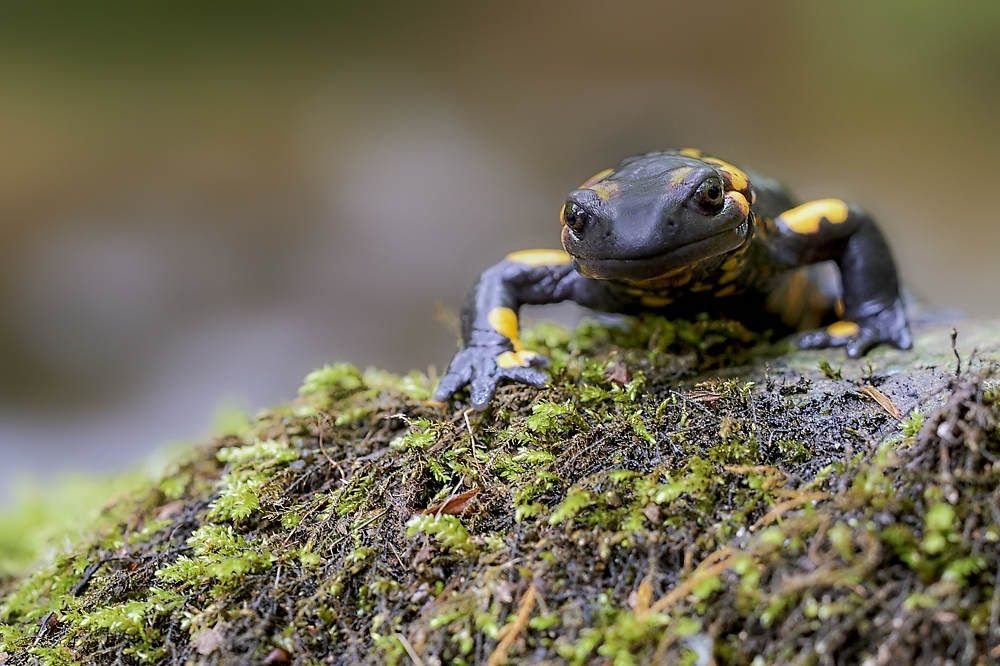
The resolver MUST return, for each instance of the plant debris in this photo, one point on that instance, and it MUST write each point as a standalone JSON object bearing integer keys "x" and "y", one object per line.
{"x": 884, "y": 402}
{"x": 670, "y": 498}
{"x": 455, "y": 505}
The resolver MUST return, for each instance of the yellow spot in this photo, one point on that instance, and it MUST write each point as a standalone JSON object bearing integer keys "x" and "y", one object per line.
{"x": 607, "y": 189}
{"x": 678, "y": 175}
{"x": 805, "y": 219}
{"x": 509, "y": 360}
{"x": 515, "y": 359}
{"x": 655, "y": 301}
{"x": 842, "y": 329}
{"x": 730, "y": 264}
{"x": 675, "y": 277}
{"x": 701, "y": 286}
{"x": 729, "y": 276}
{"x": 726, "y": 291}
{"x": 838, "y": 307}
{"x": 596, "y": 178}
{"x": 690, "y": 152}
{"x": 504, "y": 322}
{"x": 540, "y": 257}
{"x": 737, "y": 178}
{"x": 740, "y": 202}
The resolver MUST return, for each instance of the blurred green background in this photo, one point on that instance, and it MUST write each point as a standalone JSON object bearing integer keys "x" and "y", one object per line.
{"x": 200, "y": 202}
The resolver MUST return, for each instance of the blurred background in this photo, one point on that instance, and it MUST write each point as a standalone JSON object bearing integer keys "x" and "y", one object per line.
{"x": 200, "y": 202}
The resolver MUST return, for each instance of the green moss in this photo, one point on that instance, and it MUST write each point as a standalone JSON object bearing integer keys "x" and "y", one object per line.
{"x": 44, "y": 516}
{"x": 829, "y": 370}
{"x": 446, "y": 530}
{"x": 660, "y": 501}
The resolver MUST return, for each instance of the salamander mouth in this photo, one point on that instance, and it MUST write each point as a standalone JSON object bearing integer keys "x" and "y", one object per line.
{"x": 653, "y": 265}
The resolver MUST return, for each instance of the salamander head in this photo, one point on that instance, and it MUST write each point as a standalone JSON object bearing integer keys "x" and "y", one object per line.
{"x": 655, "y": 213}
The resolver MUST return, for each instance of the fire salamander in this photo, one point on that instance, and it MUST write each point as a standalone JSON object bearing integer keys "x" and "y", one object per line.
{"x": 680, "y": 232}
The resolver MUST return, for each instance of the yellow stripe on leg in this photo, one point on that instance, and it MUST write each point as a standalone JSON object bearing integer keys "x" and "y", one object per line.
{"x": 540, "y": 257}
{"x": 504, "y": 322}
{"x": 516, "y": 359}
{"x": 842, "y": 329}
{"x": 805, "y": 219}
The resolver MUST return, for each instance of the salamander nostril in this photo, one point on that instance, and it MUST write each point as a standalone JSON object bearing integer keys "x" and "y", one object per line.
{"x": 576, "y": 217}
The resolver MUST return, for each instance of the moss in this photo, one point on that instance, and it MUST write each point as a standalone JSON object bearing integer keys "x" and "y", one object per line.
{"x": 44, "y": 517}
{"x": 680, "y": 492}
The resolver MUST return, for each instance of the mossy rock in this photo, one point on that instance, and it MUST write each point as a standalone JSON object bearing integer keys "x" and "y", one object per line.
{"x": 683, "y": 492}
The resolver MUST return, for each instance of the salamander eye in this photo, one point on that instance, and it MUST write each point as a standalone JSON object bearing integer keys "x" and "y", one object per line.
{"x": 576, "y": 217}
{"x": 710, "y": 195}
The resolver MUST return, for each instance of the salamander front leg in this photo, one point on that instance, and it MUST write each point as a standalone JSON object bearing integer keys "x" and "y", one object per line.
{"x": 488, "y": 358}
{"x": 858, "y": 337}
{"x": 873, "y": 311}
{"x": 491, "y": 347}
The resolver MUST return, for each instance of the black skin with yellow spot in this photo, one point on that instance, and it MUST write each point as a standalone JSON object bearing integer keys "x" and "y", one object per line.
{"x": 681, "y": 233}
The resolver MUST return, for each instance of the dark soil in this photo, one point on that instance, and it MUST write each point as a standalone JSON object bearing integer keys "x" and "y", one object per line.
{"x": 682, "y": 493}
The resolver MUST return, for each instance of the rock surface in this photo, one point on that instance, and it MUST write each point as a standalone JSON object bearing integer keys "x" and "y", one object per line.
{"x": 681, "y": 493}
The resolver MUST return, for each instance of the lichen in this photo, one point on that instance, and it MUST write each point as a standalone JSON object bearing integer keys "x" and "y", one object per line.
{"x": 680, "y": 492}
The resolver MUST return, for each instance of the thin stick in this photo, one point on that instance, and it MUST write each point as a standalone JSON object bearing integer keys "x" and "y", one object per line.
{"x": 696, "y": 579}
{"x": 818, "y": 539}
{"x": 787, "y": 505}
{"x": 509, "y": 632}
{"x": 409, "y": 649}
{"x": 472, "y": 438}
{"x": 319, "y": 427}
